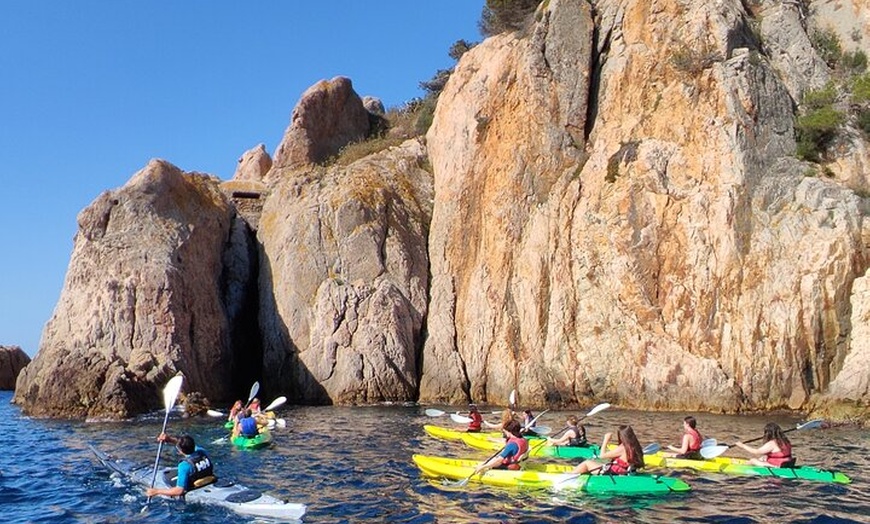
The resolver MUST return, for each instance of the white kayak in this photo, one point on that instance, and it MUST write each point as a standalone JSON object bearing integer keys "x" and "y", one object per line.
{"x": 227, "y": 494}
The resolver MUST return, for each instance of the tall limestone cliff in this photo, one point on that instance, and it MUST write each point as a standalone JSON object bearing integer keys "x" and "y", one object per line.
{"x": 608, "y": 206}
{"x": 680, "y": 259}
{"x": 142, "y": 300}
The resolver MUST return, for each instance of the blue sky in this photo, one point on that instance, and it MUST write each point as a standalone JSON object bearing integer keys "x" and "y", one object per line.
{"x": 92, "y": 90}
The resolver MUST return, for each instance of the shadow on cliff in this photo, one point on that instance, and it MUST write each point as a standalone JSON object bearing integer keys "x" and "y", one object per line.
{"x": 283, "y": 372}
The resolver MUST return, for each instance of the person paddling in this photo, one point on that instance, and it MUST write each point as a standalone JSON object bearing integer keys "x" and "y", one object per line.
{"x": 246, "y": 425}
{"x": 626, "y": 457}
{"x": 511, "y": 454}
{"x": 476, "y": 419}
{"x": 574, "y": 435}
{"x": 690, "y": 448}
{"x": 194, "y": 471}
{"x": 237, "y": 410}
{"x": 776, "y": 450}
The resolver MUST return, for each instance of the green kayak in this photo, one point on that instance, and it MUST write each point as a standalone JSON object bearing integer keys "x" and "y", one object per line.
{"x": 263, "y": 439}
{"x": 738, "y": 466}
{"x": 550, "y": 476}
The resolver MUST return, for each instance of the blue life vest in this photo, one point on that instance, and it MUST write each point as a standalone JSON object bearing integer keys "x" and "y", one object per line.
{"x": 248, "y": 427}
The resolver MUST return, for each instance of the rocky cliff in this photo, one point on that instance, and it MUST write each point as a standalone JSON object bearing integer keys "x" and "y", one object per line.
{"x": 12, "y": 361}
{"x": 608, "y": 205}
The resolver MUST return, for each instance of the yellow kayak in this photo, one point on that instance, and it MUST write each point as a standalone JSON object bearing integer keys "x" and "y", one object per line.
{"x": 549, "y": 476}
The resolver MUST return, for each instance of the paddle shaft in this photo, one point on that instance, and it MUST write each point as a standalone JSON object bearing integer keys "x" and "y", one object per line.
{"x": 756, "y": 439}
{"x": 159, "y": 450}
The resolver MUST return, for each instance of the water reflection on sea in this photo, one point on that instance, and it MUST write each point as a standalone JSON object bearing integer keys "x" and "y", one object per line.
{"x": 354, "y": 465}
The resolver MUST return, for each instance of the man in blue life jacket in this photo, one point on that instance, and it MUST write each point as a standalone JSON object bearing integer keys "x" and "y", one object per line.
{"x": 194, "y": 471}
{"x": 246, "y": 426}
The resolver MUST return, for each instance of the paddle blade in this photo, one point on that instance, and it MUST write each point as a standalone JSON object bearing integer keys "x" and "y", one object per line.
{"x": 542, "y": 430}
{"x": 281, "y": 422}
{"x": 276, "y": 403}
{"x": 254, "y": 389}
{"x": 711, "y": 452}
{"x": 214, "y": 413}
{"x": 459, "y": 419}
{"x": 651, "y": 448}
{"x": 512, "y": 399}
{"x": 812, "y": 424}
{"x": 490, "y": 424}
{"x": 707, "y": 442}
{"x": 598, "y": 409}
{"x": 431, "y": 412}
{"x": 171, "y": 390}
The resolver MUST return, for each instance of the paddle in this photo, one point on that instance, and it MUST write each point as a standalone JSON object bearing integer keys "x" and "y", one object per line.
{"x": 597, "y": 409}
{"x": 275, "y": 403}
{"x": 711, "y": 452}
{"x": 170, "y": 395}
{"x": 464, "y": 481}
{"x": 531, "y": 423}
{"x": 648, "y": 450}
{"x": 432, "y": 412}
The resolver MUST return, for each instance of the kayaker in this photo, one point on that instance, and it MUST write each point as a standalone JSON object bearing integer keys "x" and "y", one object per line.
{"x": 573, "y": 435}
{"x": 626, "y": 457}
{"x": 194, "y": 471}
{"x": 255, "y": 406}
{"x": 690, "y": 448}
{"x": 528, "y": 422}
{"x": 246, "y": 425}
{"x": 476, "y": 419}
{"x": 513, "y": 452}
{"x": 776, "y": 450}
{"x": 235, "y": 411}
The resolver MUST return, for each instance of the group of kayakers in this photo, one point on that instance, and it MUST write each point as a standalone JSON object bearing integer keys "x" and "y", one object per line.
{"x": 627, "y": 455}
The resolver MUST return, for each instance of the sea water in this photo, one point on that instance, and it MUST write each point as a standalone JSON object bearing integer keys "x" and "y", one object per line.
{"x": 354, "y": 465}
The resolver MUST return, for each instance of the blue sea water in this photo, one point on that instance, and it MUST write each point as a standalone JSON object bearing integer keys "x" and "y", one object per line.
{"x": 354, "y": 465}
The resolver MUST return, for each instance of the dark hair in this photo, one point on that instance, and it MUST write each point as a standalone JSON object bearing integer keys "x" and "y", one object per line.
{"x": 633, "y": 450}
{"x": 248, "y": 413}
{"x": 690, "y": 420}
{"x": 186, "y": 444}
{"x": 472, "y": 408}
{"x": 772, "y": 431}
{"x": 513, "y": 427}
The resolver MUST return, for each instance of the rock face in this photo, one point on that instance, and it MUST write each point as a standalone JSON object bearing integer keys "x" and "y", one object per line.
{"x": 688, "y": 263}
{"x": 142, "y": 299}
{"x": 12, "y": 361}
{"x": 329, "y": 116}
{"x": 607, "y": 207}
{"x": 343, "y": 284}
{"x": 254, "y": 164}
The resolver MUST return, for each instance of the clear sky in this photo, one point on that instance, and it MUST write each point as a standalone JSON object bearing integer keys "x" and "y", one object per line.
{"x": 91, "y": 90}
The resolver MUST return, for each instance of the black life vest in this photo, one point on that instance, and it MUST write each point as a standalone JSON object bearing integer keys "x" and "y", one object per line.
{"x": 201, "y": 468}
{"x": 579, "y": 438}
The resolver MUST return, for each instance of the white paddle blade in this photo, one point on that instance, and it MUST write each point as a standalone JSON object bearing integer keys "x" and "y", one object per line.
{"x": 490, "y": 424}
{"x": 254, "y": 389}
{"x": 542, "y": 430}
{"x": 281, "y": 422}
{"x": 431, "y": 412}
{"x": 713, "y": 451}
{"x": 812, "y": 424}
{"x": 512, "y": 399}
{"x": 170, "y": 392}
{"x": 214, "y": 413}
{"x": 459, "y": 419}
{"x": 651, "y": 448}
{"x": 597, "y": 409}
{"x": 707, "y": 442}
{"x": 276, "y": 403}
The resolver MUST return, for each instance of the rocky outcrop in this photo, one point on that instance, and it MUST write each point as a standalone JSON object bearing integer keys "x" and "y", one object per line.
{"x": 687, "y": 264}
{"x": 343, "y": 284}
{"x": 142, "y": 300}
{"x": 254, "y": 164}
{"x": 12, "y": 361}
{"x": 329, "y": 116}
